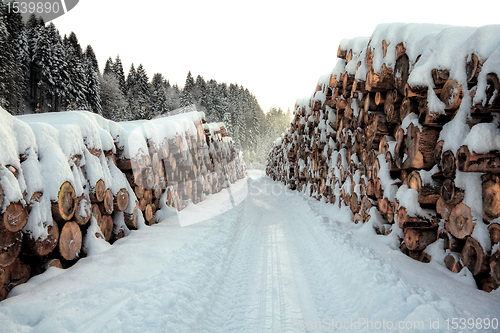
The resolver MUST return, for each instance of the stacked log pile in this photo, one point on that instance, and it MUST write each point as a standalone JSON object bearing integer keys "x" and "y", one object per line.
{"x": 69, "y": 177}
{"x": 406, "y": 128}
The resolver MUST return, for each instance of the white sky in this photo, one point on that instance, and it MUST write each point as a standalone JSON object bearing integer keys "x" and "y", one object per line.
{"x": 277, "y": 49}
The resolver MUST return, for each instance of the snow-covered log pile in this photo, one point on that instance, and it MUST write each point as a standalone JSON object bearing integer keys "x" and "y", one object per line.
{"x": 404, "y": 131}
{"x": 69, "y": 178}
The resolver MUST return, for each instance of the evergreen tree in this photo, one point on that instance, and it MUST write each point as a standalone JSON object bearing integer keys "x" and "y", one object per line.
{"x": 91, "y": 68}
{"x": 159, "y": 98}
{"x": 187, "y": 97}
{"x": 108, "y": 67}
{"x": 120, "y": 74}
{"x": 77, "y": 89}
{"x": 113, "y": 102}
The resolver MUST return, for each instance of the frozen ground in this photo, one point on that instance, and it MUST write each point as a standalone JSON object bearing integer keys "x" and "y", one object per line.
{"x": 276, "y": 262}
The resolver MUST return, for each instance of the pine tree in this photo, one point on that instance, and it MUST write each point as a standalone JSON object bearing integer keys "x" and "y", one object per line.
{"x": 92, "y": 74}
{"x": 108, "y": 67}
{"x": 113, "y": 102}
{"x": 120, "y": 74}
{"x": 187, "y": 93}
{"x": 159, "y": 103}
{"x": 77, "y": 89}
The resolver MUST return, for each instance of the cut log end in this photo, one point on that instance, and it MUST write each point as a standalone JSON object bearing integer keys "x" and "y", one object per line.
{"x": 70, "y": 241}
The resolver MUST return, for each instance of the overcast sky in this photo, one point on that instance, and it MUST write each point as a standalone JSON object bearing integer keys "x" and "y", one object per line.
{"x": 277, "y": 49}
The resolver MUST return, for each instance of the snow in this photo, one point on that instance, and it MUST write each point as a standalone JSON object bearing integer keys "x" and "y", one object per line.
{"x": 483, "y": 138}
{"x": 278, "y": 261}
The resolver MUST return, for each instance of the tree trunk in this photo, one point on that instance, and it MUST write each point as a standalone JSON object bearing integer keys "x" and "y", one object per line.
{"x": 402, "y": 71}
{"x": 450, "y": 194}
{"x": 448, "y": 164}
{"x": 417, "y": 239}
{"x": 494, "y": 229}
{"x": 453, "y": 263}
{"x": 70, "y": 241}
{"x": 451, "y": 95}
{"x": 106, "y": 225}
{"x": 121, "y": 200}
{"x": 473, "y": 257}
{"x": 391, "y": 107}
{"x": 41, "y": 247}
{"x": 495, "y": 268}
{"x": 472, "y": 162}
{"x": 97, "y": 191}
{"x": 15, "y": 217}
{"x": 420, "y": 147}
{"x": 491, "y": 196}
{"x": 427, "y": 194}
{"x": 107, "y": 203}
{"x": 460, "y": 223}
{"x": 10, "y": 245}
{"x": 131, "y": 219}
{"x": 64, "y": 208}
{"x": 83, "y": 210}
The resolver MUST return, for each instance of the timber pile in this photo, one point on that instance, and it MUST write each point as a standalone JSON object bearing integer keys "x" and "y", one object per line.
{"x": 406, "y": 127}
{"x": 69, "y": 177}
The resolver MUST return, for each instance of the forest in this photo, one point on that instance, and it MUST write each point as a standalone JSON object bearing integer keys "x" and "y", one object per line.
{"x": 42, "y": 71}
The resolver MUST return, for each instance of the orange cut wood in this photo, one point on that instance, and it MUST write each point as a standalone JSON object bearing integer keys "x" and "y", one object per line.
{"x": 64, "y": 208}
{"x": 460, "y": 222}
{"x": 70, "y": 241}
{"x": 15, "y": 217}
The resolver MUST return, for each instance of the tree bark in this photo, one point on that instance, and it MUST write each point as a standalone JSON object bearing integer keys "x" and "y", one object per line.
{"x": 472, "y": 162}
{"x": 420, "y": 147}
{"x": 402, "y": 71}
{"x": 41, "y": 247}
{"x": 10, "y": 245}
{"x": 417, "y": 239}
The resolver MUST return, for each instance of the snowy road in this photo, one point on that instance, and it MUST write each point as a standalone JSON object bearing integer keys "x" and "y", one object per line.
{"x": 277, "y": 262}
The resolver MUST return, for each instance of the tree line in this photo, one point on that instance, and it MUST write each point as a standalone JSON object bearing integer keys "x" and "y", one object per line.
{"x": 42, "y": 71}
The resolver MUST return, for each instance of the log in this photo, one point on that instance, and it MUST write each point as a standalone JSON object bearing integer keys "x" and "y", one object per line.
{"x": 97, "y": 191}
{"x": 391, "y": 107}
{"x": 380, "y": 82}
{"x": 473, "y": 257}
{"x": 15, "y": 216}
{"x": 472, "y": 162}
{"x": 107, "y": 204}
{"x": 96, "y": 213}
{"x": 407, "y": 221}
{"x": 131, "y": 219}
{"x": 420, "y": 146}
{"x": 121, "y": 200}
{"x": 495, "y": 268}
{"x": 417, "y": 239}
{"x": 70, "y": 241}
{"x": 448, "y": 164}
{"x": 64, "y": 208}
{"x": 41, "y": 247}
{"x": 83, "y": 210}
{"x": 491, "y": 196}
{"x": 106, "y": 225}
{"x": 440, "y": 76}
{"x": 451, "y": 94}
{"x": 402, "y": 71}
{"x": 452, "y": 262}
{"x": 18, "y": 272}
{"x": 407, "y": 106}
{"x": 428, "y": 194}
{"x": 10, "y": 245}
{"x": 450, "y": 194}
{"x": 494, "y": 229}
{"x": 451, "y": 243}
{"x": 460, "y": 222}
{"x": 472, "y": 68}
